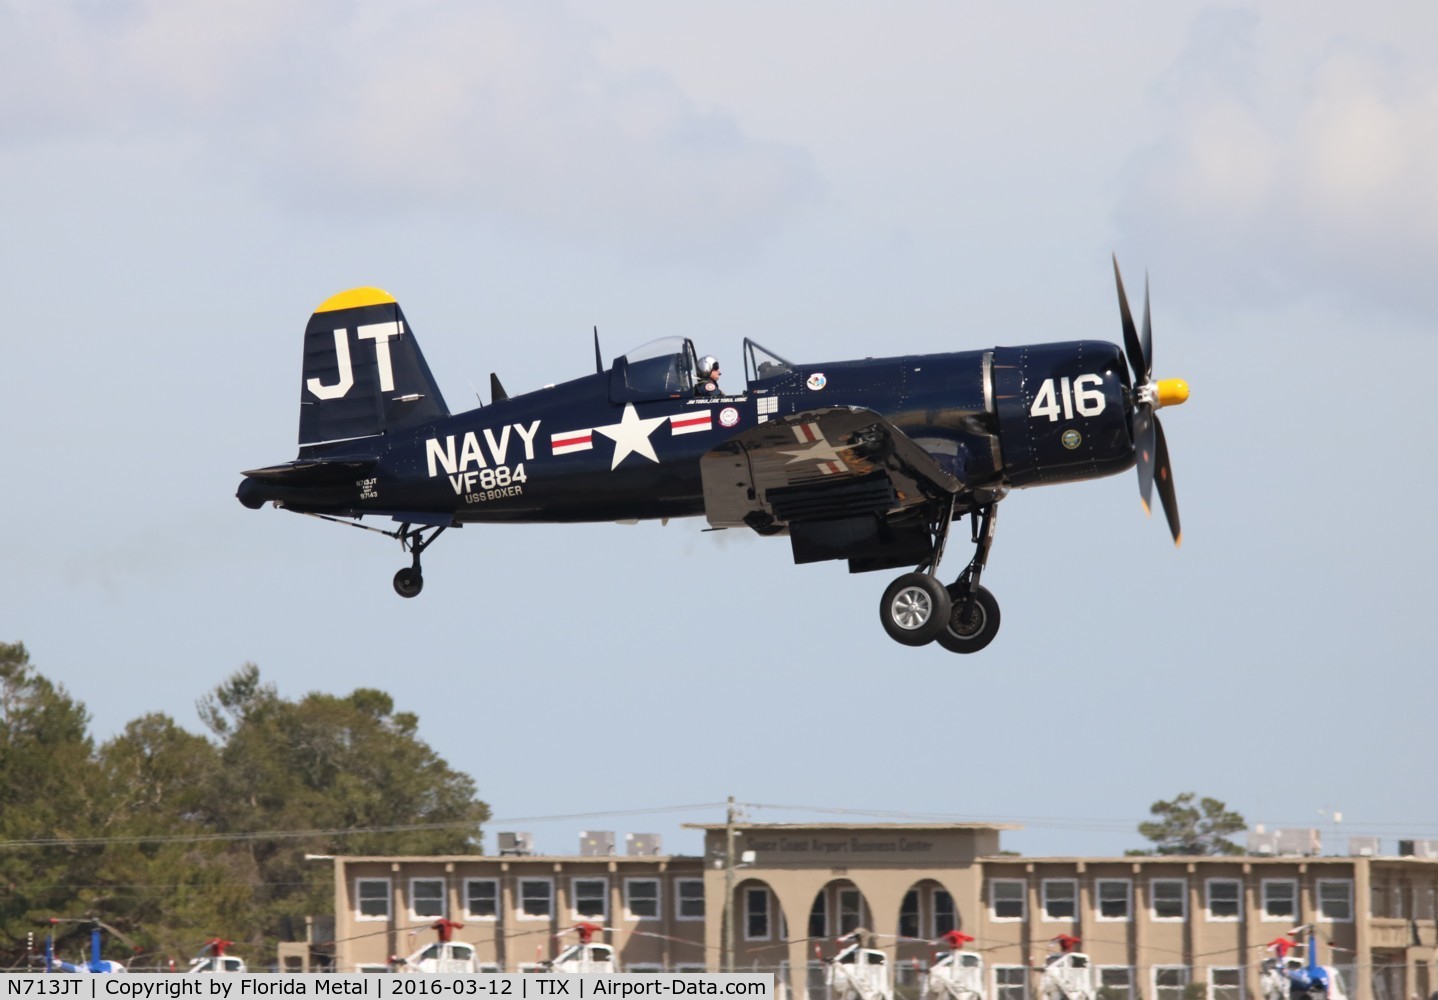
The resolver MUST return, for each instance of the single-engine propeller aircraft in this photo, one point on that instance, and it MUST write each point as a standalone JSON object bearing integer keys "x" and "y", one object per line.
{"x": 866, "y": 461}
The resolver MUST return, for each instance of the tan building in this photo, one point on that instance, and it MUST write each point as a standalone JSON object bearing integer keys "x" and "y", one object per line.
{"x": 1153, "y": 926}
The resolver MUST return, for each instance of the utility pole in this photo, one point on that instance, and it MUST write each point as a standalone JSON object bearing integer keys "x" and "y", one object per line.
{"x": 729, "y": 833}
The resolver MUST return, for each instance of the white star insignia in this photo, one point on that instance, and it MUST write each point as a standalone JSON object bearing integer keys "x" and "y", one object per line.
{"x": 631, "y": 434}
{"x": 816, "y": 451}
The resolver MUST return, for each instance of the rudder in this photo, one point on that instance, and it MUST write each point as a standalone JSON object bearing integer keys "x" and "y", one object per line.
{"x": 363, "y": 373}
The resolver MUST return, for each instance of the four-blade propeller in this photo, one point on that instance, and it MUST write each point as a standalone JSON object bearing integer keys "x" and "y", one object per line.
{"x": 1151, "y": 450}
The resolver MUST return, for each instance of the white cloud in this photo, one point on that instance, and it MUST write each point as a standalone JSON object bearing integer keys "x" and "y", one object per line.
{"x": 497, "y": 110}
{"x": 1295, "y": 170}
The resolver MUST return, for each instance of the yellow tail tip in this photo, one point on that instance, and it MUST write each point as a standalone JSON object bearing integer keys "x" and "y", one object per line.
{"x": 355, "y": 298}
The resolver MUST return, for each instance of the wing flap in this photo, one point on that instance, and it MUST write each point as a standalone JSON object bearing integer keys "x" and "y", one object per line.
{"x": 817, "y": 465}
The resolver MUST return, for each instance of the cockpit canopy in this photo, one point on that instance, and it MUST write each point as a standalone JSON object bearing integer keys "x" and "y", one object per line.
{"x": 665, "y": 368}
{"x": 761, "y": 364}
{"x": 660, "y": 369}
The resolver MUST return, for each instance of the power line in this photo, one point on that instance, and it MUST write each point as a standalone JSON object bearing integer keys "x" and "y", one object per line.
{"x": 196, "y": 838}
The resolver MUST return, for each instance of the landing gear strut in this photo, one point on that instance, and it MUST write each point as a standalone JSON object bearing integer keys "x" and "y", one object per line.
{"x": 408, "y": 582}
{"x": 964, "y": 617}
{"x": 974, "y": 613}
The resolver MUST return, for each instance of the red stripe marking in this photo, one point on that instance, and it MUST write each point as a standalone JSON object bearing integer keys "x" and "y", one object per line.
{"x": 691, "y": 421}
{"x": 808, "y": 430}
{"x": 566, "y": 442}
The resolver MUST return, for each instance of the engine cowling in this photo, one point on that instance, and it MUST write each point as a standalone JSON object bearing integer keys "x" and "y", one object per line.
{"x": 1064, "y": 412}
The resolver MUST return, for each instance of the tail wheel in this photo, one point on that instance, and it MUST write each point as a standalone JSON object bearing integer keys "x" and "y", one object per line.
{"x": 973, "y": 620}
{"x": 914, "y": 609}
{"x": 408, "y": 582}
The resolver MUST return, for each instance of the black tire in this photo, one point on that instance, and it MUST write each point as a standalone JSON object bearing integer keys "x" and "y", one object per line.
{"x": 408, "y": 582}
{"x": 972, "y": 625}
{"x": 914, "y": 609}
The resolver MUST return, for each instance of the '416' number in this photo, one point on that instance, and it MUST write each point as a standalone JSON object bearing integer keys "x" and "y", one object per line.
{"x": 1084, "y": 394}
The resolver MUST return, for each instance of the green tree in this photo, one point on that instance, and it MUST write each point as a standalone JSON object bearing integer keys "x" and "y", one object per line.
{"x": 48, "y": 792}
{"x": 1182, "y": 827}
{"x": 169, "y": 888}
{"x": 351, "y": 766}
{"x": 171, "y": 837}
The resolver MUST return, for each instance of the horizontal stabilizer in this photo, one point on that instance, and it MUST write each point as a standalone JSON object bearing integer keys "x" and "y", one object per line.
{"x": 302, "y": 473}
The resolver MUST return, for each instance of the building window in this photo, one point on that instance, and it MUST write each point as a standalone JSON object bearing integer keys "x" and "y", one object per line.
{"x": 481, "y": 898}
{"x": 1114, "y": 897}
{"x": 1280, "y": 899}
{"x": 1169, "y": 981}
{"x": 817, "y": 979}
{"x": 536, "y": 898}
{"x": 851, "y": 910}
{"x": 756, "y": 914}
{"x": 591, "y": 897}
{"x": 1335, "y": 900}
{"x": 1115, "y": 982}
{"x": 372, "y": 899}
{"x": 1011, "y": 982}
{"x": 1225, "y": 983}
{"x": 1006, "y": 899}
{"x": 1223, "y": 898}
{"x": 909, "y": 915}
{"x": 426, "y": 897}
{"x": 1060, "y": 898}
{"x": 1169, "y": 899}
{"x": 819, "y": 916}
{"x": 641, "y": 898}
{"x": 946, "y": 918}
{"x": 689, "y": 899}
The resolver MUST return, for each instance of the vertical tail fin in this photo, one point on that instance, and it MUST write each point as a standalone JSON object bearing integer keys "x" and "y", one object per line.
{"x": 363, "y": 372}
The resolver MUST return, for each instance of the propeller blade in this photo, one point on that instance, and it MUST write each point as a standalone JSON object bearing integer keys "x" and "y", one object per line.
{"x": 1144, "y": 453}
{"x": 1131, "y": 344}
{"x": 1166, "y": 494}
{"x": 1146, "y": 337}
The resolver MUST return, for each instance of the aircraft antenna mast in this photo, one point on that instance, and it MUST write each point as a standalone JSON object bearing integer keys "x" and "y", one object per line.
{"x": 599, "y": 370}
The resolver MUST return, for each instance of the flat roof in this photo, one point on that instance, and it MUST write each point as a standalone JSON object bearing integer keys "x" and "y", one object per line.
{"x": 855, "y": 826}
{"x": 451, "y": 858}
{"x": 1213, "y": 859}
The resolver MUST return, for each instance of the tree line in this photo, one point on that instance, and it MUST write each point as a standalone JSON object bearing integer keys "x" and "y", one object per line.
{"x": 171, "y": 837}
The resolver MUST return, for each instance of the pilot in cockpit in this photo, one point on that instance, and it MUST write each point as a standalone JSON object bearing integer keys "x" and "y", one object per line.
{"x": 707, "y": 374}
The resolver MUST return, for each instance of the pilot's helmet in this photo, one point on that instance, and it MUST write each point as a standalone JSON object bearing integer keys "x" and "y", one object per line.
{"x": 707, "y": 364}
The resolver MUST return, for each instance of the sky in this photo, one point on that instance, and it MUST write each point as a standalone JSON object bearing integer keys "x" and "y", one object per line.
{"x": 181, "y": 185}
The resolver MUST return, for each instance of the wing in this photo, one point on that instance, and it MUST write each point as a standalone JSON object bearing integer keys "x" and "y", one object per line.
{"x": 843, "y": 481}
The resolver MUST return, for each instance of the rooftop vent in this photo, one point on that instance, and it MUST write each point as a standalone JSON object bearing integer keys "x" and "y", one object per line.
{"x": 1363, "y": 847}
{"x": 521, "y": 844}
{"x": 642, "y": 844}
{"x": 1298, "y": 841}
{"x": 596, "y": 843}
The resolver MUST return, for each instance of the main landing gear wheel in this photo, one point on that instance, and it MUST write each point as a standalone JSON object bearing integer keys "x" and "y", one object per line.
{"x": 973, "y": 620}
{"x": 408, "y": 582}
{"x": 915, "y": 609}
